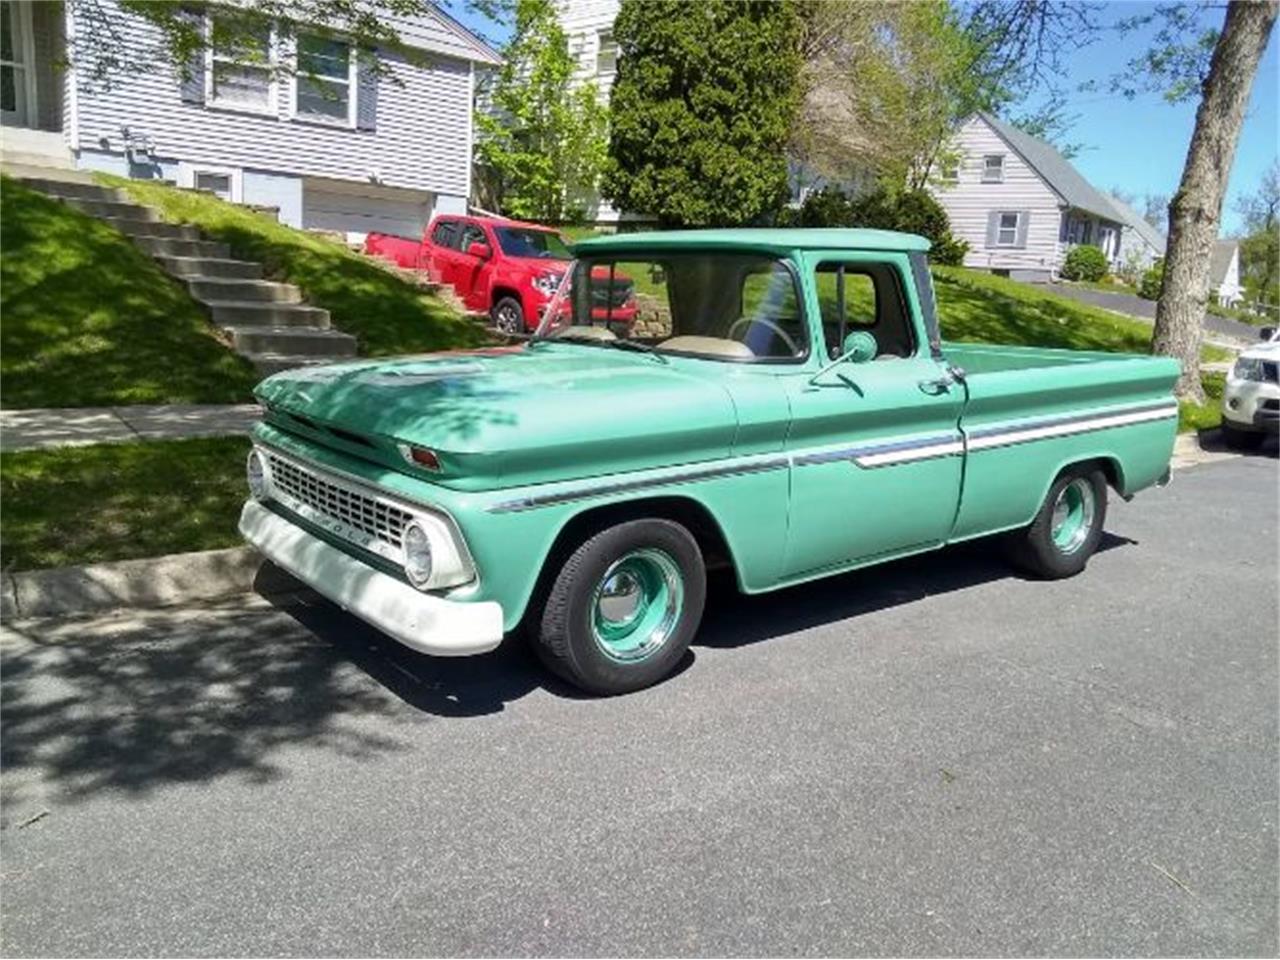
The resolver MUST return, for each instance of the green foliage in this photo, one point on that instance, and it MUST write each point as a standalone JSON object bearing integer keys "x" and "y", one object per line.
{"x": 1152, "y": 281}
{"x": 1084, "y": 262}
{"x": 1051, "y": 123}
{"x": 977, "y": 307}
{"x": 89, "y": 320}
{"x": 386, "y": 315}
{"x": 542, "y": 138}
{"x": 702, "y": 108}
{"x": 1176, "y": 61}
{"x": 1207, "y": 415}
{"x": 120, "y": 501}
{"x": 909, "y": 211}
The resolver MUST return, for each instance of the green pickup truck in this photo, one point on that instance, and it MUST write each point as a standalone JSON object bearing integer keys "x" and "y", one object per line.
{"x": 781, "y": 404}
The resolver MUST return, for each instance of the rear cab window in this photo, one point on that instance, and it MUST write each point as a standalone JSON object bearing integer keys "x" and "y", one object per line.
{"x": 446, "y": 233}
{"x": 864, "y": 295}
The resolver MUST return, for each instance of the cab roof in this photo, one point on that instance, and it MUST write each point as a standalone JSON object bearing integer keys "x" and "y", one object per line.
{"x": 757, "y": 238}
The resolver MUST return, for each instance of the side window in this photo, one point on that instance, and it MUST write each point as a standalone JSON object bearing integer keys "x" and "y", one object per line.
{"x": 471, "y": 234}
{"x": 993, "y": 168}
{"x": 864, "y": 296}
{"x": 445, "y": 234}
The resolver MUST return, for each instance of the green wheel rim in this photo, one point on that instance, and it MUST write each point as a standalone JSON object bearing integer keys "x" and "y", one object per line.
{"x": 636, "y": 605}
{"x": 1073, "y": 515}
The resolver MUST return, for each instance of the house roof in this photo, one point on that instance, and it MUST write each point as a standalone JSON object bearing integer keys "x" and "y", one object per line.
{"x": 758, "y": 238}
{"x": 1224, "y": 252}
{"x": 1054, "y": 169}
{"x": 1131, "y": 218}
{"x": 484, "y": 53}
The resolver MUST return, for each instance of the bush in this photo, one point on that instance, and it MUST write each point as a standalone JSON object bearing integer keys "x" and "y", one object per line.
{"x": 911, "y": 211}
{"x": 1084, "y": 263}
{"x": 1152, "y": 281}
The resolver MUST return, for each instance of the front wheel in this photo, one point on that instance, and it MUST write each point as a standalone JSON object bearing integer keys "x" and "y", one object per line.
{"x": 1067, "y": 529}
{"x": 508, "y": 315}
{"x": 624, "y": 607}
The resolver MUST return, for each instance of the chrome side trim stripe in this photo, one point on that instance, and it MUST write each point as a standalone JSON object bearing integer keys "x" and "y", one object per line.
{"x": 864, "y": 455}
{"x": 721, "y": 469}
{"x": 988, "y": 437}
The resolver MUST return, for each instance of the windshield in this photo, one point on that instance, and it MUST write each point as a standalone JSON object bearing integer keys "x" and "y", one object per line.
{"x": 742, "y": 307}
{"x": 537, "y": 244}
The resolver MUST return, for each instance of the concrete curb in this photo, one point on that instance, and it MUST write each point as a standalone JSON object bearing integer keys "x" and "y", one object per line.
{"x": 151, "y": 582}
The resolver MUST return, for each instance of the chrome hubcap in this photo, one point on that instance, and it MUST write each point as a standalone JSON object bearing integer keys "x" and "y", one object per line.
{"x": 508, "y": 320}
{"x": 637, "y": 605}
{"x": 1073, "y": 515}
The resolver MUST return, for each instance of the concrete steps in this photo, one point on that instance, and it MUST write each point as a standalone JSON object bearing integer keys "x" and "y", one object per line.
{"x": 206, "y": 268}
{"x": 267, "y": 322}
{"x": 239, "y": 289}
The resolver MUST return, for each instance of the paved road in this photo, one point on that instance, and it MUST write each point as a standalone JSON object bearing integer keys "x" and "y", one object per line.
{"x": 1135, "y": 306}
{"x": 928, "y": 758}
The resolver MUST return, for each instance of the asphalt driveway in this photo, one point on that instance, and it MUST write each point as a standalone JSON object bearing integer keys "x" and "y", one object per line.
{"x": 932, "y": 757}
{"x": 1135, "y": 306}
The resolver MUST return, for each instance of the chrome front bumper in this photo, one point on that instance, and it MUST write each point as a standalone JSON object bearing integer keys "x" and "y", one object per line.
{"x": 427, "y": 623}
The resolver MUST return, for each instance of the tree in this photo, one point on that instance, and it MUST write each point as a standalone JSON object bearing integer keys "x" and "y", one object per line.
{"x": 1196, "y": 208}
{"x": 883, "y": 85}
{"x": 1260, "y": 247}
{"x": 541, "y": 141}
{"x": 701, "y": 110}
{"x": 1051, "y": 123}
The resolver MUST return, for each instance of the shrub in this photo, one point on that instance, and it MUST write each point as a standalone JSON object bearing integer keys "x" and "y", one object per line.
{"x": 1152, "y": 281}
{"x": 1084, "y": 263}
{"x": 910, "y": 211}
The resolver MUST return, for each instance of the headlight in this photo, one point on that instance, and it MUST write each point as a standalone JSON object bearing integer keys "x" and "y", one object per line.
{"x": 546, "y": 283}
{"x": 256, "y": 473}
{"x": 417, "y": 555}
{"x": 1247, "y": 368}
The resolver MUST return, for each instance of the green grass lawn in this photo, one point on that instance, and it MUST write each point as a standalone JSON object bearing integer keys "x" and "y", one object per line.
{"x": 90, "y": 320}
{"x": 1205, "y": 416}
{"x": 386, "y": 315}
{"x": 120, "y": 501}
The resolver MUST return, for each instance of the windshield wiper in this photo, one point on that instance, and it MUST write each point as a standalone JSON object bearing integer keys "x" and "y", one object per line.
{"x": 624, "y": 344}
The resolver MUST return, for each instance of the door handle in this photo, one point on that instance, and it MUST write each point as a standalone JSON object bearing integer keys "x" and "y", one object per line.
{"x": 944, "y": 383}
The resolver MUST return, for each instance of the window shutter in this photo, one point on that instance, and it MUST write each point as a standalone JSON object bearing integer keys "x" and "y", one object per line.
{"x": 993, "y": 226}
{"x": 366, "y": 93}
{"x": 191, "y": 77}
{"x": 287, "y": 80}
{"x": 1024, "y": 219}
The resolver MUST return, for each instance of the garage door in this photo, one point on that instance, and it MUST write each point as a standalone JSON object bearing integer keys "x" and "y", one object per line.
{"x": 360, "y": 210}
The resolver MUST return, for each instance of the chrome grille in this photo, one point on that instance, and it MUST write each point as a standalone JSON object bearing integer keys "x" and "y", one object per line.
{"x": 344, "y": 503}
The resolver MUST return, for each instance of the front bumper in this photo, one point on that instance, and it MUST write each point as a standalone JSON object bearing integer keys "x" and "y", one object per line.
{"x": 422, "y": 621}
{"x": 1251, "y": 405}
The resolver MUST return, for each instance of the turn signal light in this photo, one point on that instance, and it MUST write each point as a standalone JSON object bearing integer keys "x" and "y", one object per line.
{"x": 420, "y": 457}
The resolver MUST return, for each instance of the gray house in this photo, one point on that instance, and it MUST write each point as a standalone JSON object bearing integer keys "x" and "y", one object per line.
{"x": 1019, "y": 203}
{"x": 339, "y": 149}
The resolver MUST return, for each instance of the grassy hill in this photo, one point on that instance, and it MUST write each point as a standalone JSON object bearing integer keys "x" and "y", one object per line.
{"x": 90, "y": 320}
{"x": 386, "y": 315}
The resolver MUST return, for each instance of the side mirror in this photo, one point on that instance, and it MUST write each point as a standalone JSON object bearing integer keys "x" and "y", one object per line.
{"x": 1266, "y": 333}
{"x": 479, "y": 250}
{"x": 858, "y": 347}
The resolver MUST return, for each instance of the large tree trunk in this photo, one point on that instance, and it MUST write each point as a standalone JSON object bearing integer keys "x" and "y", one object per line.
{"x": 1196, "y": 208}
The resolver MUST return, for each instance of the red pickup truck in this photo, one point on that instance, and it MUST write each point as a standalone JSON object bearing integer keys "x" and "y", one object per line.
{"x": 504, "y": 268}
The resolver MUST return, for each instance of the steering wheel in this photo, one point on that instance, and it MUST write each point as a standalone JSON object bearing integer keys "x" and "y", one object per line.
{"x": 782, "y": 334}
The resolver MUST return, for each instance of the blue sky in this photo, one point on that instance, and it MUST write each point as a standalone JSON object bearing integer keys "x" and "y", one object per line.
{"x": 1138, "y": 145}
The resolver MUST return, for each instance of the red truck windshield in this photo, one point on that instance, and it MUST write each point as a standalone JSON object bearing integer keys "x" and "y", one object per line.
{"x": 536, "y": 244}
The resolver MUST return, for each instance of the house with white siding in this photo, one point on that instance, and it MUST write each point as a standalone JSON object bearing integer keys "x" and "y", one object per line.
{"x": 1141, "y": 244}
{"x": 1224, "y": 273}
{"x": 588, "y": 25}
{"x": 1019, "y": 203}
{"x": 326, "y": 140}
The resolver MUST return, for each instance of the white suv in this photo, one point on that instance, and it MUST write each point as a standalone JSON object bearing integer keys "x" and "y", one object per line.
{"x": 1251, "y": 400}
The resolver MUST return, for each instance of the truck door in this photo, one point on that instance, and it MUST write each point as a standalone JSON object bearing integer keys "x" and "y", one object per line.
{"x": 467, "y": 275}
{"x": 444, "y": 241}
{"x": 876, "y": 450}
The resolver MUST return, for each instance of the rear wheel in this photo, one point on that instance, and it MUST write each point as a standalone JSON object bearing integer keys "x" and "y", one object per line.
{"x": 1067, "y": 529}
{"x": 508, "y": 315}
{"x": 624, "y": 607}
{"x": 1238, "y": 439}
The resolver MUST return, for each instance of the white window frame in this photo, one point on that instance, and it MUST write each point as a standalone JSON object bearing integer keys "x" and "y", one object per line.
{"x": 188, "y": 172}
{"x": 949, "y": 172}
{"x": 987, "y": 172}
{"x": 604, "y": 38}
{"x": 211, "y": 99}
{"x": 1001, "y": 228}
{"x": 353, "y": 86}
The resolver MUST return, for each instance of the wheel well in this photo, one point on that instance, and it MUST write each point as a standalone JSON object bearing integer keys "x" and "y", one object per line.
{"x": 499, "y": 292}
{"x": 690, "y": 514}
{"x": 1108, "y": 465}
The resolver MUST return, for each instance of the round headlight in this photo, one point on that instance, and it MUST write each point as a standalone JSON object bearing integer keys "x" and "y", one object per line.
{"x": 417, "y": 555}
{"x": 257, "y": 476}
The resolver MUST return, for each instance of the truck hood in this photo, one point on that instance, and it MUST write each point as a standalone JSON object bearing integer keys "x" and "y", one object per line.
{"x": 509, "y": 417}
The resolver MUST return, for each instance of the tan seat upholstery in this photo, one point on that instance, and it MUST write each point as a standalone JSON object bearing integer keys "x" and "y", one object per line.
{"x": 586, "y": 333}
{"x": 709, "y": 345}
